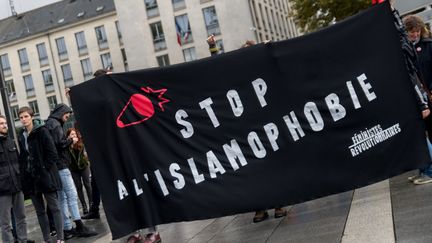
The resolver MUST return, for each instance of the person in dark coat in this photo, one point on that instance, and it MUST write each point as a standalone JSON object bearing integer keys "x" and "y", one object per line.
{"x": 11, "y": 196}
{"x": 40, "y": 177}
{"x": 419, "y": 35}
{"x": 68, "y": 196}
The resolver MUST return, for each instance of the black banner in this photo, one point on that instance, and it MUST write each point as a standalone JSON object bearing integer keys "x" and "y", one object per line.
{"x": 268, "y": 125}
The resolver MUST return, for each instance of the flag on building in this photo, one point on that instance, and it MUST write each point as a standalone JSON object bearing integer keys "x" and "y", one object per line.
{"x": 182, "y": 28}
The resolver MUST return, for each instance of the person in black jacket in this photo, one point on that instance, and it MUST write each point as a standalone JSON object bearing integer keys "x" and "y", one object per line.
{"x": 40, "y": 177}
{"x": 11, "y": 196}
{"x": 68, "y": 196}
{"x": 419, "y": 35}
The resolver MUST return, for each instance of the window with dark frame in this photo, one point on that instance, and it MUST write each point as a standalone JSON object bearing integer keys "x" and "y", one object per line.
{"x": 163, "y": 60}
{"x": 101, "y": 37}
{"x": 61, "y": 48}
{"x": 34, "y": 106}
{"x": 67, "y": 75}
{"x": 48, "y": 81}
{"x": 211, "y": 21}
{"x": 81, "y": 43}
{"x": 29, "y": 86}
{"x": 158, "y": 36}
{"x": 151, "y": 8}
{"x": 52, "y": 102}
{"x": 86, "y": 68}
{"x": 5, "y": 65}
{"x": 24, "y": 62}
{"x": 106, "y": 60}
{"x": 42, "y": 53}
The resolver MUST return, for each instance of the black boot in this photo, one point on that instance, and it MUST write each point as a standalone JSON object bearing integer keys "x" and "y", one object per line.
{"x": 93, "y": 214}
{"x": 82, "y": 230}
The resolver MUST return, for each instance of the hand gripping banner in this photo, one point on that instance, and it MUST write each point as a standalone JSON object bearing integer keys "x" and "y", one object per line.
{"x": 264, "y": 126}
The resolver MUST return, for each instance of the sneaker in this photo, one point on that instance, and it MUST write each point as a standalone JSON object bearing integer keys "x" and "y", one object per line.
{"x": 260, "y": 216}
{"x": 91, "y": 215}
{"x": 280, "y": 212}
{"x": 414, "y": 177}
{"x": 53, "y": 233}
{"x": 424, "y": 179}
{"x": 84, "y": 231}
{"x": 136, "y": 238}
{"x": 68, "y": 234}
{"x": 152, "y": 238}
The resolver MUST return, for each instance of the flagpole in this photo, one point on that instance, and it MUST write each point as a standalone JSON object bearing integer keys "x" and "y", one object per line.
{"x": 5, "y": 100}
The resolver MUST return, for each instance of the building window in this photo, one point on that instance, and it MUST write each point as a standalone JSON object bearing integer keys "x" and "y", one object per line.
{"x": 14, "y": 111}
{"x": 48, "y": 81}
{"x": 106, "y": 60}
{"x": 28, "y": 82}
{"x": 61, "y": 49}
{"x": 81, "y": 43}
{"x": 163, "y": 60}
{"x": 101, "y": 37}
{"x": 52, "y": 102}
{"x": 189, "y": 54}
{"x": 67, "y": 75}
{"x": 34, "y": 106}
{"x": 158, "y": 36}
{"x": 178, "y": 4}
{"x": 152, "y": 8}
{"x": 183, "y": 29}
{"x": 24, "y": 62}
{"x": 43, "y": 55}
{"x": 5, "y": 65}
{"x": 119, "y": 34}
{"x": 87, "y": 69}
{"x": 42, "y": 52}
{"x": 125, "y": 61}
{"x": 220, "y": 46}
{"x": 10, "y": 90}
{"x": 211, "y": 21}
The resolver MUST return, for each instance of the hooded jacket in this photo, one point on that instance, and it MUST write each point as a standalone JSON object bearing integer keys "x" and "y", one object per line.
{"x": 9, "y": 167}
{"x": 54, "y": 124}
{"x": 38, "y": 164}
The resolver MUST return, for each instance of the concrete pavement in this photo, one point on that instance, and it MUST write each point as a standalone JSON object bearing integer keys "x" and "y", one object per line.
{"x": 394, "y": 210}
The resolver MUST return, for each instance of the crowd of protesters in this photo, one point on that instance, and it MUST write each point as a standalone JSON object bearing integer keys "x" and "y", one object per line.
{"x": 41, "y": 169}
{"x": 51, "y": 167}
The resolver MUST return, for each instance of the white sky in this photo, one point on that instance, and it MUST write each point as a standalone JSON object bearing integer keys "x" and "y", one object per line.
{"x": 21, "y": 6}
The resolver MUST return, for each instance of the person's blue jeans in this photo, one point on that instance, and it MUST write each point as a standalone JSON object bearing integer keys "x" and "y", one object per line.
{"x": 68, "y": 199}
{"x": 428, "y": 170}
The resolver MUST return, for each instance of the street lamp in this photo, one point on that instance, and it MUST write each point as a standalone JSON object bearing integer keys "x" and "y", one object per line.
{"x": 5, "y": 100}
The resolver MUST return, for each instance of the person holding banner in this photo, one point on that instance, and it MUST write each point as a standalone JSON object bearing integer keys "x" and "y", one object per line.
{"x": 419, "y": 35}
{"x": 260, "y": 215}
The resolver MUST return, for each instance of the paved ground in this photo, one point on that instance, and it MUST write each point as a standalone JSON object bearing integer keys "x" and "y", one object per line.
{"x": 390, "y": 211}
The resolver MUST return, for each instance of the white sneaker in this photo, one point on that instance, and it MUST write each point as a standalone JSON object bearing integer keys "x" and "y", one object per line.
{"x": 414, "y": 177}
{"x": 424, "y": 179}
